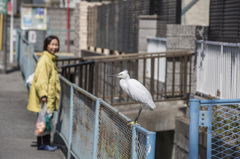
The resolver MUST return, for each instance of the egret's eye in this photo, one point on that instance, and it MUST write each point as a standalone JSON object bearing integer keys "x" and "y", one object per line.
{"x": 120, "y": 74}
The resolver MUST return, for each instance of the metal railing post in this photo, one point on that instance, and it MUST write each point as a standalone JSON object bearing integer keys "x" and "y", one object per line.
{"x": 134, "y": 153}
{"x": 193, "y": 129}
{"x": 70, "y": 123}
{"x": 17, "y": 47}
{"x": 151, "y": 141}
{"x": 209, "y": 134}
{"x": 28, "y": 63}
{"x": 20, "y": 53}
{"x": 96, "y": 128}
{"x": 32, "y": 60}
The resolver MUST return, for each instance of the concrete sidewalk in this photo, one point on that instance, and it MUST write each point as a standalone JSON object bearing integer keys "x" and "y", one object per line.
{"x": 17, "y": 124}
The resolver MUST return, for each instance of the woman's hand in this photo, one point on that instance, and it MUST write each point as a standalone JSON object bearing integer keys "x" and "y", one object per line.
{"x": 44, "y": 99}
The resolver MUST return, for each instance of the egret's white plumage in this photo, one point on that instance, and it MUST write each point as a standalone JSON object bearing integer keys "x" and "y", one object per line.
{"x": 136, "y": 91}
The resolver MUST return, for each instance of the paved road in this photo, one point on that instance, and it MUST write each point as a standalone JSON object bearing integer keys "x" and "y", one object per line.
{"x": 17, "y": 140}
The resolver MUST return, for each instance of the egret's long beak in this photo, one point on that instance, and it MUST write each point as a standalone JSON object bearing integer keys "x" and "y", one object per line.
{"x": 113, "y": 75}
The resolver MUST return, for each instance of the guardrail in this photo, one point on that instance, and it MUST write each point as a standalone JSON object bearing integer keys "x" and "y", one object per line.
{"x": 91, "y": 128}
{"x": 80, "y": 73}
{"x": 145, "y": 67}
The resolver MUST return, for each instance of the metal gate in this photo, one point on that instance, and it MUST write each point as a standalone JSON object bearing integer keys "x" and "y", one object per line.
{"x": 222, "y": 120}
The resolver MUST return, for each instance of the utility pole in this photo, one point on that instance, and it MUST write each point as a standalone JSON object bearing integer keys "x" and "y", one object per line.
{"x": 4, "y": 43}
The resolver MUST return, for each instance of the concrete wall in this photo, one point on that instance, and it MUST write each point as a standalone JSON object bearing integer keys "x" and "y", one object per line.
{"x": 147, "y": 28}
{"x": 181, "y": 140}
{"x": 198, "y": 14}
{"x": 183, "y": 37}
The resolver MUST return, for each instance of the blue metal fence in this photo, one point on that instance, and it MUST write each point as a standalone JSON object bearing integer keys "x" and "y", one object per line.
{"x": 25, "y": 56}
{"x": 222, "y": 120}
{"x": 90, "y": 127}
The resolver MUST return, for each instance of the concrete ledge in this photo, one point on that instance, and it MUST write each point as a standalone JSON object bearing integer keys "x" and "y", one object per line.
{"x": 161, "y": 119}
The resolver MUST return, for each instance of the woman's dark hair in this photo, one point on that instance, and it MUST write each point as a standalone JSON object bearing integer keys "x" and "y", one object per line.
{"x": 48, "y": 40}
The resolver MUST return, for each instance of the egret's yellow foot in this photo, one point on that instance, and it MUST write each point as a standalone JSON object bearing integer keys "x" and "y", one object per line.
{"x": 132, "y": 123}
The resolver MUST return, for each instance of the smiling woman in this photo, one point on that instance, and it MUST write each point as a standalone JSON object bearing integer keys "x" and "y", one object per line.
{"x": 45, "y": 86}
{"x": 53, "y": 46}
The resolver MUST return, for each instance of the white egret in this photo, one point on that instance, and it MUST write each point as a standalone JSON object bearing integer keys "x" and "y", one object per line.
{"x": 136, "y": 91}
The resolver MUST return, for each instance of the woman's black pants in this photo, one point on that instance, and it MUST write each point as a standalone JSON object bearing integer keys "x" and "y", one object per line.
{"x": 43, "y": 140}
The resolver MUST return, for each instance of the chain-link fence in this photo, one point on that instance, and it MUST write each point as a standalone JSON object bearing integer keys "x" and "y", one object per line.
{"x": 225, "y": 131}
{"x": 91, "y": 128}
{"x": 62, "y": 125}
{"x": 221, "y": 118}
